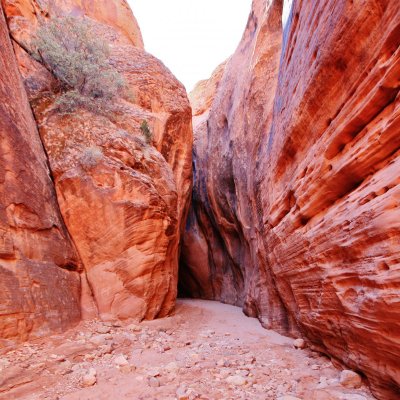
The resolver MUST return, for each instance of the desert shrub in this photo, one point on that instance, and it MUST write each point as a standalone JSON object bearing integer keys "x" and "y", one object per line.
{"x": 147, "y": 133}
{"x": 91, "y": 156}
{"x": 70, "y": 49}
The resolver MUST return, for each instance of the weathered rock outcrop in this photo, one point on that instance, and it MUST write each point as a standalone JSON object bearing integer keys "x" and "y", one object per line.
{"x": 22, "y": 15}
{"x": 223, "y": 220}
{"x": 39, "y": 278}
{"x": 124, "y": 201}
{"x": 299, "y": 189}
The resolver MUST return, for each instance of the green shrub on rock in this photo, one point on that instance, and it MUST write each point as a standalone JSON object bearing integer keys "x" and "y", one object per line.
{"x": 80, "y": 60}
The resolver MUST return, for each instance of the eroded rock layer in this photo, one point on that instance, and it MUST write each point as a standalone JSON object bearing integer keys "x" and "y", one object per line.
{"x": 39, "y": 278}
{"x": 123, "y": 200}
{"x": 299, "y": 188}
{"x": 223, "y": 220}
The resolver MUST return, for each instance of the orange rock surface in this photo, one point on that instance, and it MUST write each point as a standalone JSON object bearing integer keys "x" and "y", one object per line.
{"x": 299, "y": 189}
{"x": 39, "y": 278}
{"x": 124, "y": 201}
{"x": 22, "y": 15}
{"x": 222, "y": 223}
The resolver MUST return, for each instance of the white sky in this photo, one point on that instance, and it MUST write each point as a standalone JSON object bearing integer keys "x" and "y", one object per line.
{"x": 191, "y": 37}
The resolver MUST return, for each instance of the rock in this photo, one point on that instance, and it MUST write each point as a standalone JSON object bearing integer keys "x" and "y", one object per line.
{"x": 350, "y": 379}
{"x": 116, "y": 13}
{"x": 103, "y": 329}
{"x": 288, "y": 397}
{"x": 292, "y": 198}
{"x": 122, "y": 199}
{"x": 39, "y": 278}
{"x": 106, "y": 349}
{"x": 134, "y": 327}
{"x": 153, "y": 382}
{"x": 65, "y": 367}
{"x": 127, "y": 369}
{"x": 299, "y": 343}
{"x": 181, "y": 393}
{"x": 121, "y": 361}
{"x": 236, "y": 380}
{"x": 172, "y": 366}
{"x": 90, "y": 378}
{"x": 89, "y": 357}
{"x": 98, "y": 340}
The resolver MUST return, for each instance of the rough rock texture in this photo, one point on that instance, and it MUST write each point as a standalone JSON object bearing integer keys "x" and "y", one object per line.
{"x": 223, "y": 219}
{"x": 299, "y": 189}
{"x": 198, "y": 276}
{"x": 123, "y": 201}
{"x": 39, "y": 278}
{"x": 22, "y": 14}
{"x": 96, "y": 361}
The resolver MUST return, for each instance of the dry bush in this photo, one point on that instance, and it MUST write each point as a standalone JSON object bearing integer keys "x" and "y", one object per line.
{"x": 69, "y": 48}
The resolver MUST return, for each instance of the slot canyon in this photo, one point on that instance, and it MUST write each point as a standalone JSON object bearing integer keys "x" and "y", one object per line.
{"x": 241, "y": 241}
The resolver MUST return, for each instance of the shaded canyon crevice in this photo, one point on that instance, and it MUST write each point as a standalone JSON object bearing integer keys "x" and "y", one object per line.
{"x": 295, "y": 213}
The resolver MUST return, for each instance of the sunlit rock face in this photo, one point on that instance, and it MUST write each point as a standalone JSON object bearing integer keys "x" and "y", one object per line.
{"x": 123, "y": 201}
{"x": 39, "y": 268}
{"x": 25, "y": 15}
{"x": 299, "y": 190}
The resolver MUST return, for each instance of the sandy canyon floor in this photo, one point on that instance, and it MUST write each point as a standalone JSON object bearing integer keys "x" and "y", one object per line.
{"x": 206, "y": 350}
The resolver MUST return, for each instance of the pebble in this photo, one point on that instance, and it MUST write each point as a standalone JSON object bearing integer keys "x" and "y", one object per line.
{"x": 181, "y": 393}
{"x": 120, "y": 361}
{"x": 97, "y": 340}
{"x": 153, "y": 372}
{"x": 126, "y": 369}
{"x": 103, "y": 329}
{"x": 153, "y": 382}
{"x": 243, "y": 372}
{"x": 236, "y": 380}
{"x": 90, "y": 378}
{"x": 172, "y": 366}
{"x": 350, "y": 379}
{"x": 299, "y": 344}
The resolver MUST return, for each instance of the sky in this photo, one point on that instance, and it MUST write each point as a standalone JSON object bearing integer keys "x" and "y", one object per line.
{"x": 191, "y": 37}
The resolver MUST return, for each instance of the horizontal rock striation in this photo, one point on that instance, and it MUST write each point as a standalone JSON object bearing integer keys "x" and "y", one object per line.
{"x": 299, "y": 190}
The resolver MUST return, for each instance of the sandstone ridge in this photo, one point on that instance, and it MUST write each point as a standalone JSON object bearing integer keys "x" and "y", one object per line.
{"x": 123, "y": 200}
{"x": 295, "y": 206}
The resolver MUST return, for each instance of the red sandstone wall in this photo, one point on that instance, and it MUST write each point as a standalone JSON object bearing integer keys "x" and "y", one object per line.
{"x": 39, "y": 278}
{"x": 296, "y": 203}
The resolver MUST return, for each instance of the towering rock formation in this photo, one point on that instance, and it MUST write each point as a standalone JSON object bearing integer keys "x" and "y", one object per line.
{"x": 227, "y": 138}
{"x": 297, "y": 202}
{"x": 123, "y": 201}
{"x": 39, "y": 268}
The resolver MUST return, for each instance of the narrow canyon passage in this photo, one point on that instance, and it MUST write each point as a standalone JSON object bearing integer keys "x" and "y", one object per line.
{"x": 269, "y": 195}
{"x": 206, "y": 350}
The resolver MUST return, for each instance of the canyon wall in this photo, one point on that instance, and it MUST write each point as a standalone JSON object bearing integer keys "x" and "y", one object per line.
{"x": 39, "y": 268}
{"x": 124, "y": 200}
{"x": 296, "y": 204}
